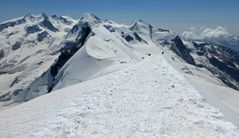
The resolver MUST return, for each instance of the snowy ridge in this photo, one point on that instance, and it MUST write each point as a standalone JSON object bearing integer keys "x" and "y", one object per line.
{"x": 149, "y": 99}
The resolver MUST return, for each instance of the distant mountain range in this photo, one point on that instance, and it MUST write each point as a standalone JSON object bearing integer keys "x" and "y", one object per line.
{"x": 219, "y": 36}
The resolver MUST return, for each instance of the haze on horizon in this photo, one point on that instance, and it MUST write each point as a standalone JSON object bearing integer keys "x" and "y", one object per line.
{"x": 175, "y": 15}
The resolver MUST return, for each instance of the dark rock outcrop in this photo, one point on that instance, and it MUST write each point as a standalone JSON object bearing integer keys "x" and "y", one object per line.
{"x": 128, "y": 38}
{"x": 225, "y": 67}
{"x": 222, "y": 62}
{"x": 2, "y": 54}
{"x": 68, "y": 51}
{"x": 33, "y": 29}
{"x": 109, "y": 28}
{"x": 16, "y": 46}
{"x": 11, "y": 24}
{"x": 181, "y": 50}
{"x": 41, "y": 36}
{"x": 47, "y": 24}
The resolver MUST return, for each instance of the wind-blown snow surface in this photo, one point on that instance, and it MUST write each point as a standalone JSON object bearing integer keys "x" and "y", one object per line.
{"x": 149, "y": 99}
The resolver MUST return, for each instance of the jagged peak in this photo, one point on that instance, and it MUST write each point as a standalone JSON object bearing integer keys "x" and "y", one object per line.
{"x": 44, "y": 15}
{"x": 48, "y": 23}
{"x": 139, "y": 25}
{"x": 162, "y": 30}
{"x": 64, "y": 19}
{"x": 29, "y": 15}
{"x": 34, "y": 17}
{"x": 90, "y": 16}
{"x": 177, "y": 38}
{"x": 54, "y": 16}
{"x": 141, "y": 22}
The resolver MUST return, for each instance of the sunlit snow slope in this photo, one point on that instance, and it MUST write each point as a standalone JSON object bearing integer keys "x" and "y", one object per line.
{"x": 149, "y": 99}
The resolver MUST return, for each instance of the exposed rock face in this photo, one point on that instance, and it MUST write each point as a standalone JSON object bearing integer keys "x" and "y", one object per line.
{"x": 16, "y": 46}
{"x": 33, "y": 29}
{"x": 46, "y": 23}
{"x": 41, "y": 36}
{"x": 1, "y": 54}
{"x": 48, "y": 78}
{"x": 181, "y": 50}
{"x": 225, "y": 67}
{"x": 70, "y": 49}
{"x": 11, "y": 24}
{"x": 222, "y": 63}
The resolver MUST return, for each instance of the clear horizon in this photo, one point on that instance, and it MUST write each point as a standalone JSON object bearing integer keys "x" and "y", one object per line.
{"x": 174, "y": 15}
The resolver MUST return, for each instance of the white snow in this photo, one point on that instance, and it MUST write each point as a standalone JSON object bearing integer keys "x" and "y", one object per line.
{"x": 101, "y": 54}
{"x": 149, "y": 99}
{"x": 222, "y": 97}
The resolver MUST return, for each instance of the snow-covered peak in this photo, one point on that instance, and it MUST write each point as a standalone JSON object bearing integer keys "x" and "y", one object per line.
{"x": 140, "y": 24}
{"x": 162, "y": 30}
{"x": 29, "y": 15}
{"x": 88, "y": 20}
{"x": 30, "y": 18}
{"x": 44, "y": 15}
{"x": 90, "y": 17}
{"x": 67, "y": 18}
{"x": 64, "y": 19}
{"x": 142, "y": 28}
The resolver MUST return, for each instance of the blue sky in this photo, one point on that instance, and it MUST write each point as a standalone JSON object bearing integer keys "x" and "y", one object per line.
{"x": 177, "y": 15}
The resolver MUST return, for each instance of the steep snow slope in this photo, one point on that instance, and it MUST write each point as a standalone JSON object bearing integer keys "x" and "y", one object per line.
{"x": 27, "y": 49}
{"x": 102, "y": 53}
{"x": 149, "y": 99}
{"x": 215, "y": 91}
{"x": 223, "y": 98}
{"x": 221, "y": 63}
